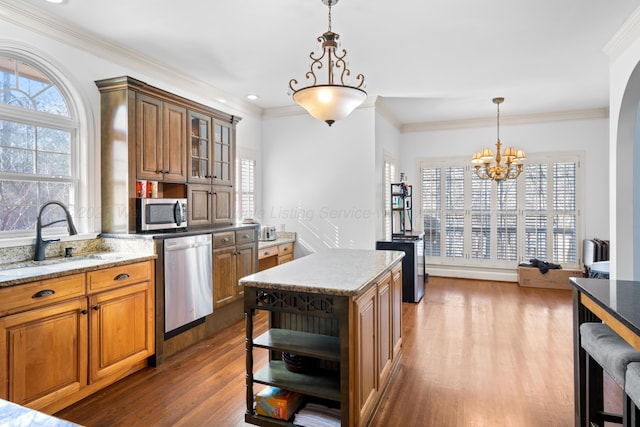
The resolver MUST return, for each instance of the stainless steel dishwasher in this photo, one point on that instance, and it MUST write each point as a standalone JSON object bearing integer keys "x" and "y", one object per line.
{"x": 188, "y": 281}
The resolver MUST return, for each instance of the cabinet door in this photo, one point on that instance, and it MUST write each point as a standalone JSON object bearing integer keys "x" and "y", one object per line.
{"x": 174, "y": 143}
{"x": 245, "y": 265}
{"x": 222, "y": 205}
{"x": 43, "y": 353}
{"x": 366, "y": 353}
{"x": 149, "y": 137}
{"x": 224, "y": 269}
{"x": 223, "y": 153}
{"x": 200, "y": 161}
{"x": 396, "y": 311}
{"x": 385, "y": 325}
{"x": 121, "y": 328}
{"x": 200, "y": 209}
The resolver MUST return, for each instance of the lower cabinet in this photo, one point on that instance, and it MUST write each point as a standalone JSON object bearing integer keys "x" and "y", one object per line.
{"x": 44, "y": 353}
{"x": 234, "y": 256}
{"x": 121, "y": 329}
{"x": 62, "y": 351}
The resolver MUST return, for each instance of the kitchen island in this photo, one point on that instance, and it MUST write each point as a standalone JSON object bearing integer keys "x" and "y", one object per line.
{"x": 335, "y": 316}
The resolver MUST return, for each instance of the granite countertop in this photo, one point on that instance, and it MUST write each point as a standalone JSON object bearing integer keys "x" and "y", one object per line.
{"x": 13, "y": 415}
{"x": 334, "y": 272}
{"x": 28, "y": 271}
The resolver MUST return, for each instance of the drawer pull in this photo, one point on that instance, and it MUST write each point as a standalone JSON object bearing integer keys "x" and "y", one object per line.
{"x": 121, "y": 276}
{"x": 225, "y": 240}
{"x": 245, "y": 236}
{"x": 266, "y": 253}
{"x": 43, "y": 293}
{"x": 285, "y": 249}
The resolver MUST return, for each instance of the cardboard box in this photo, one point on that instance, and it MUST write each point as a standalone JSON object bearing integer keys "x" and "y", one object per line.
{"x": 552, "y": 279}
{"x": 277, "y": 403}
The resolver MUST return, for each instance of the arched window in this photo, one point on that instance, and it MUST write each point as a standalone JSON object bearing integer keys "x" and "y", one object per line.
{"x": 39, "y": 131}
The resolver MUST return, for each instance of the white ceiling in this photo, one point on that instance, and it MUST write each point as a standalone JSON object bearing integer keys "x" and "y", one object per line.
{"x": 429, "y": 60}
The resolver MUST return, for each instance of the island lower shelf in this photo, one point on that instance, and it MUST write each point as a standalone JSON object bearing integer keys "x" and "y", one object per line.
{"x": 352, "y": 336}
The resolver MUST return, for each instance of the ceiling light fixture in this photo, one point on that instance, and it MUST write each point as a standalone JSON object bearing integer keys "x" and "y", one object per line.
{"x": 498, "y": 172}
{"x": 334, "y": 100}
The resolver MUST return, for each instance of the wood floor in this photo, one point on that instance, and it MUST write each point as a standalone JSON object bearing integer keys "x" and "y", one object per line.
{"x": 476, "y": 353}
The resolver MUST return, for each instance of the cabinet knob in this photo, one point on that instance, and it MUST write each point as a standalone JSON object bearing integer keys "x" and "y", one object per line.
{"x": 96, "y": 307}
{"x": 84, "y": 311}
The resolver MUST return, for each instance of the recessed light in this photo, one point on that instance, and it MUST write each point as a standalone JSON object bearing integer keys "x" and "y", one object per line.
{"x": 221, "y": 100}
{"x": 56, "y": 1}
{"x": 252, "y": 97}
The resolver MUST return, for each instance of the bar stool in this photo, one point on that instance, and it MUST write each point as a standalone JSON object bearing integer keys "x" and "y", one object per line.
{"x": 632, "y": 393}
{"x": 605, "y": 350}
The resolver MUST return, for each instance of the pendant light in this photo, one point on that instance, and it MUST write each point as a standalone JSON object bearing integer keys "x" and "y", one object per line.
{"x": 333, "y": 100}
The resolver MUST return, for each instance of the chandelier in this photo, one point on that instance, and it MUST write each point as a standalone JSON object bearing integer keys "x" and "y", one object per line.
{"x": 334, "y": 100}
{"x": 513, "y": 159}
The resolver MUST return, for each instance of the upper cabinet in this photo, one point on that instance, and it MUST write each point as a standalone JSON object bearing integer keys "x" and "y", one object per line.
{"x": 224, "y": 153}
{"x": 151, "y": 134}
{"x": 200, "y": 150}
{"x": 160, "y": 140}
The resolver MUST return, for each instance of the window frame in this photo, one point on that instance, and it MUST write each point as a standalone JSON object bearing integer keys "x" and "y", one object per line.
{"x": 84, "y": 146}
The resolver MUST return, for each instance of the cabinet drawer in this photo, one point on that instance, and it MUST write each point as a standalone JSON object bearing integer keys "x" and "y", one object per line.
{"x": 245, "y": 236}
{"x": 115, "y": 277}
{"x": 285, "y": 258}
{"x": 228, "y": 238}
{"x": 19, "y": 298}
{"x": 267, "y": 252}
{"x": 285, "y": 249}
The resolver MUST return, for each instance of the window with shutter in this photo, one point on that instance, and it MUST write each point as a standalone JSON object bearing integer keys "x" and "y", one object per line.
{"x": 390, "y": 177}
{"x": 500, "y": 224}
{"x": 245, "y": 188}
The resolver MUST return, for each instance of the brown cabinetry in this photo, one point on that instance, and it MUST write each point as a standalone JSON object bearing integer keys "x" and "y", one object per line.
{"x": 71, "y": 343}
{"x": 234, "y": 256}
{"x": 151, "y": 134}
{"x": 122, "y": 318}
{"x": 378, "y": 314}
{"x": 275, "y": 255}
{"x": 160, "y": 140}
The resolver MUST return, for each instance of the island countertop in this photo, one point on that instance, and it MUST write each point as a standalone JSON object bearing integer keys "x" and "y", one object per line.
{"x": 334, "y": 272}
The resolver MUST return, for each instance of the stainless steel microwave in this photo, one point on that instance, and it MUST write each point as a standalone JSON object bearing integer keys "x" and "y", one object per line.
{"x": 161, "y": 214}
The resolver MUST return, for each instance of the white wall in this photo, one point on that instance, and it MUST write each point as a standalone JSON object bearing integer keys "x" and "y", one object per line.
{"x": 319, "y": 181}
{"x": 587, "y": 136}
{"x": 82, "y": 68}
{"x": 624, "y": 88}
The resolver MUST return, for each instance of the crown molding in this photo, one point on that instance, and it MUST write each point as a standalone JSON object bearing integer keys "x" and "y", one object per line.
{"x": 36, "y": 20}
{"x": 558, "y": 116}
{"x": 624, "y": 37}
{"x": 385, "y": 112}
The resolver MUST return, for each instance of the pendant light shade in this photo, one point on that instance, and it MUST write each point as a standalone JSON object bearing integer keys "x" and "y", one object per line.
{"x": 329, "y": 102}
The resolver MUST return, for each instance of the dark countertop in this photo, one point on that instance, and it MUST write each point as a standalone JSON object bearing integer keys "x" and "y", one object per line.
{"x": 169, "y": 234}
{"x": 620, "y": 298}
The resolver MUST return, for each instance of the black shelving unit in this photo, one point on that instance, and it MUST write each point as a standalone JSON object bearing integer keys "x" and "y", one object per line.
{"x": 401, "y": 208}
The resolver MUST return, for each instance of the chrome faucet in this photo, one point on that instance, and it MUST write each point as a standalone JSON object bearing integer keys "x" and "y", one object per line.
{"x": 42, "y": 244}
